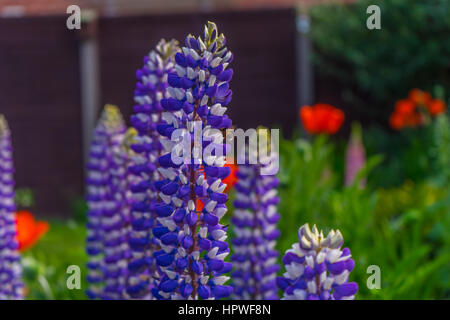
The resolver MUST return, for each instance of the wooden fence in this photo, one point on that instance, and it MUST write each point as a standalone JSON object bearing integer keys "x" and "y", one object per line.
{"x": 40, "y": 97}
{"x": 40, "y": 84}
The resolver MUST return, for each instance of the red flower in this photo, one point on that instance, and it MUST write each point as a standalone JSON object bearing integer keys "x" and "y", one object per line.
{"x": 28, "y": 230}
{"x": 419, "y": 97}
{"x": 412, "y": 111}
{"x": 321, "y": 118}
{"x": 199, "y": 205}
{"x": 396, "y": 121}
{"x": 436, "y": 106}
{"x": 404, "y": 107}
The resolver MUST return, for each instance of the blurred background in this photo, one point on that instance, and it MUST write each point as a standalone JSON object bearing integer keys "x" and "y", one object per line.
{"x": 288, "y": 53}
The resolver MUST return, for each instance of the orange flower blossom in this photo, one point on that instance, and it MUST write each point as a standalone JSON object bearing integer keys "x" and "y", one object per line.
{"x": 418, "y": 96}
{"x": 413, "y": 111}
{"x": 29, "y": 231}
{"x": 321, "y": 118}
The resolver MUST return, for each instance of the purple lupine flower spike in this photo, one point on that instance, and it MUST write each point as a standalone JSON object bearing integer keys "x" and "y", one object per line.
{"x": 108, "y": 215}
{"x": 150, "y": 89}
{"x": 317, "y": 268}
{"x": 254, "y": 224}
{"x": 193, "y": 242}
{"x": 355, "y": 157}
{"x": 11, "y": 286}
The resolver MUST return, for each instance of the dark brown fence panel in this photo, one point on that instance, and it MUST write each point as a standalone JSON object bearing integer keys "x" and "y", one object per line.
{"x": 40, "y": 84}
{"x": 263, "y": 43}
{"x": 40, "y": 96}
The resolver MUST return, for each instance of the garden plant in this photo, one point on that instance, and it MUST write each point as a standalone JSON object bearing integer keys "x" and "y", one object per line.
{"x": 340, "y": 219}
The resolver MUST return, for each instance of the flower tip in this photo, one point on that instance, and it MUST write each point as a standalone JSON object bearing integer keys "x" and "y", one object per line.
{"x": 3, "y": 124}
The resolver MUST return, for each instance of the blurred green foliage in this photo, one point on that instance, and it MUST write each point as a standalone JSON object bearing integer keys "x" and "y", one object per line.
{"x": 24, "y": 198}
{"x": 402, "y": 229}
{"x": 79, "y": 209}
{"x": 45, "y": 264}
{"x": 411, "y": 154}
{"x": 407, "y": 154}
{"x": 441, "y": 150}
{"x": 378, "y": 67}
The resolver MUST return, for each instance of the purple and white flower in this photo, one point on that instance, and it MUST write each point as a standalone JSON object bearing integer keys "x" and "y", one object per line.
{"x": 108, "y": 215}
{"x": 317, "y": 268}
{"x": 193, "y": 242}
{"x": 150, "y": 90}
{"x": 254, "y": 225}
{"x": 11, "y": 286}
